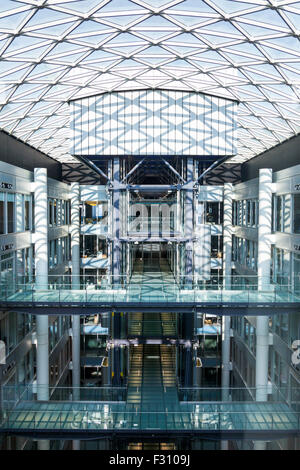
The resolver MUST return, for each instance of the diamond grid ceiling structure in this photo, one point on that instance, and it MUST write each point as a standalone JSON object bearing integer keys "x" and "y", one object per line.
{"x": 56, "y": 50}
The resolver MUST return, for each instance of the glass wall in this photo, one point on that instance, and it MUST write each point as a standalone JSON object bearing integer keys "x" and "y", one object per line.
{"x": 281, "y": 266}
{"x": 13, "y": 328}
{"x": 94, "y": 212}
{"x": 245, "y": 213}
{"x": 210, "y": 213}
{"x": 2, "y": 213}
{"x": 15, "y": 212}
{"x": 10, "y": 213}
{"x": 92, "y": 246}
{"x": 282, "y": 210}
{"x": 58, "y": 212}
{"x": 245, "y": 252}
{"x": 59, "y": 251}
{"x": 296, "y": 272}
{"x": 216, "y": 246}
{"x": 296, "y": 221}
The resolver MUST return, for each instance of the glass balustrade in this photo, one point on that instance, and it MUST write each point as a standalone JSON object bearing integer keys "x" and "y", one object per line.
{"x": 149, "y": 287}
{"x": 108, "y": 408}
{"x": 260, "y": 418}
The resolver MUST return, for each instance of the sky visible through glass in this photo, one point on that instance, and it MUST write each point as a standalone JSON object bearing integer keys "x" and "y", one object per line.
{"x": 53, "y": 51}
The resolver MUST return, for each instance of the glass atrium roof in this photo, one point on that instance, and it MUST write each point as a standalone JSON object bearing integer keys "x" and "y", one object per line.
{"x": 56, "y": 50}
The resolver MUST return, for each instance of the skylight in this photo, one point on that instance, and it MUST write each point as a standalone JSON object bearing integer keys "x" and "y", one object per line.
{"x": 56, "y": 50}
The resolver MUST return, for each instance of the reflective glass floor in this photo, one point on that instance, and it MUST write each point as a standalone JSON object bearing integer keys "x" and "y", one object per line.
{"x": 202, "y": 416}
{"x": 151, "y": 403}
{"x": 151, "y": 282}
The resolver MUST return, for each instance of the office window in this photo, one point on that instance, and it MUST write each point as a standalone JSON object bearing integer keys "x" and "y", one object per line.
{"x": 278, "y": 213}
{"x": 216, "y": 246}
{"x": 283, "y": 213}
{"x": 248, "y": 212}
{"x": 2, "y": 213}
{"x": 214, "y": 213}
{"x": 27, "y": 212}
{"x": 296, "y": 258}
{"x": 55, "y": 212}
{"x": 10, "y": 213}
{"x": 94, "y": 212}
{"x": 254, "y": 213}
{"x": 296, "y": 222}
{"x": 50, "y": 212}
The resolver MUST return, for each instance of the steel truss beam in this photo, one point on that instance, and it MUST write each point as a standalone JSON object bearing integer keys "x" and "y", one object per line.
{"x": 77, "y": 308}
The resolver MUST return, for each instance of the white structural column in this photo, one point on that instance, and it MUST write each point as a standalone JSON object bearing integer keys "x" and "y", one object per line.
{"x": 41, "y": 278}
{"x": 264, "y": 228}
{"x": 262, "y": 357}
{"x": 227, "y": 241}
{"x": 227, "y": 244}
{"x": 75, "y": 254}
{"x": 264, "y": 271}
{"x": 189, "y": 221}
{"x": 75, "y": 235}
{"x": 227, "y": 233}
{"x": 41, "y": 282}
{"x": 41, "y": 228}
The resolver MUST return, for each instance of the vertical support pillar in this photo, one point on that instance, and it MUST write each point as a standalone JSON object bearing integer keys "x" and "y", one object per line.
{"x": 41, "y": 278}
{"x": 188, "y": 333}
{"x": 75, "y": 235}
{"x": 264, "y": 228}
{"x": 227, "y": 243}
{"x": 225, "y": 357}
{"x": 225, "y": 377}
{"x": 227, "y": 234}
{"x": 41, "y": 228}
{"x": 75, "y": 256}
{"x": 189, "y": 225}
{"x": 264, "y": 271}
{"x": 262, "y": 357}
{"x": 116, "y": 219}
{"x": 116, "y": 350}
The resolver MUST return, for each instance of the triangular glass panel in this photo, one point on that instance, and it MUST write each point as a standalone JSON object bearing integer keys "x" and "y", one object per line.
{"x": 32, "y": 54}
{"x": 22, "y": 42}
{"x": 158, "y": 21}
{"x": 11, "y": 22}
{"x": 51, "y": 31}
{"x": 9, "y": 5}
{"x": 121, "y": 5}
{"x": 188, "y": 20}
{"x": 122, "y": 20}
{"x": 222, "y": 27}
{"x": 229, "y": 6}
{"x": 192, "y": 5}
{"x": 268, "y": 17}
{"x": 46, "y": 16}
{"x": 79, "y": 6}
{"x": 287, "y": 42}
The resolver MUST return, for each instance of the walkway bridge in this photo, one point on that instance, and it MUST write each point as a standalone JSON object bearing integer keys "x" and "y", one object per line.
{"x": 151, "y": 288}
{"x": 151, "y": 405}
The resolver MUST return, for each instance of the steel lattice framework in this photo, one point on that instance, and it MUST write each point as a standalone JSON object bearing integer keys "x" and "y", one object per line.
{"x": 56, "y": 50}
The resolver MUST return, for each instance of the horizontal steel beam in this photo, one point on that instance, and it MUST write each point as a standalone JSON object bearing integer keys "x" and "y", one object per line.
{"x": 85, "y": 434}
{"x": 80, "y": 308}
{"x": 153, "y": 187}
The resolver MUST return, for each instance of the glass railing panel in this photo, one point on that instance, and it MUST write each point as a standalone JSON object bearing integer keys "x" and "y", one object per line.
{"x": 172, "y": 421}
{"x": 146, "y": 287}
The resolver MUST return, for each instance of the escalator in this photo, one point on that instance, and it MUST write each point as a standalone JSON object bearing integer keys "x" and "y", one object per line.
{"x": 152, "y": 378}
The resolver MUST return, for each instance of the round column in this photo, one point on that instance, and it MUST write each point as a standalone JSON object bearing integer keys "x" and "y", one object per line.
{"x": 75, "y": 256}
